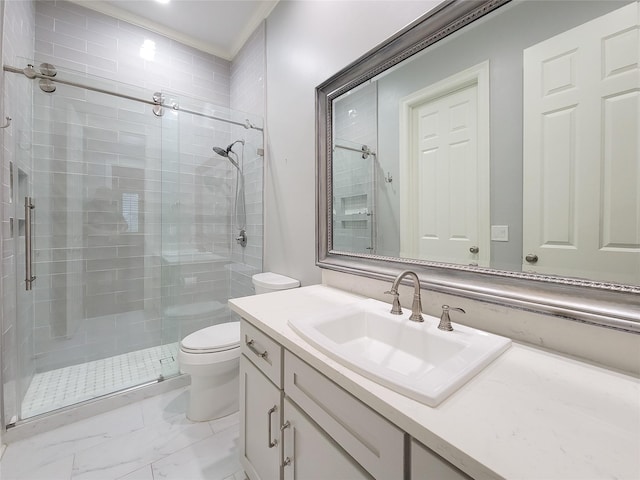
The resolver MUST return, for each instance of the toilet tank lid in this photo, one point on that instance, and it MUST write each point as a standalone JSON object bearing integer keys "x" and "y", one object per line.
{"x": 215, "y": 338}
{"x": 275, "y": 281}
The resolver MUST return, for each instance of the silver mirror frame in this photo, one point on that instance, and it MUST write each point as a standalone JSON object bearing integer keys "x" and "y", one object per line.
{"x": 603, "y": 304}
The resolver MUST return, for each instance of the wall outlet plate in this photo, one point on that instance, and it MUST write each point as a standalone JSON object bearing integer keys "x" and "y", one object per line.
{"x": 500, "y": 233}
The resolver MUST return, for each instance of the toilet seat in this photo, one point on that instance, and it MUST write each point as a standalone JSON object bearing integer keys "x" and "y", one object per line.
{"x": 217, "y": 338}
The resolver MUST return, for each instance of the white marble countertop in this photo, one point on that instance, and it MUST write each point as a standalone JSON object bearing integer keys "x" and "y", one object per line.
{"x": 531, "y": 414}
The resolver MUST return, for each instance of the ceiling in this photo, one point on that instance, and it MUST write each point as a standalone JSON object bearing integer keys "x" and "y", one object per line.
{"x": 219, "y": 27}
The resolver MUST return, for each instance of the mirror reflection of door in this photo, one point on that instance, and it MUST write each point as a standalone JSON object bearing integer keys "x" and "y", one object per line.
{"x": 444, "y": 170}
{"x": 581, "y": 152}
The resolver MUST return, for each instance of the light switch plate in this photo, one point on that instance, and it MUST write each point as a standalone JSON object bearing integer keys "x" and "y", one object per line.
{"x": 500, "y": 233}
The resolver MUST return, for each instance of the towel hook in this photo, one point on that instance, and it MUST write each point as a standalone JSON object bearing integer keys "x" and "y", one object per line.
{"x": 6, "y": 124}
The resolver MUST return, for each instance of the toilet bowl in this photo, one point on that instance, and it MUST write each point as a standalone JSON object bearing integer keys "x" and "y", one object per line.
{"x": 212, "y": 357}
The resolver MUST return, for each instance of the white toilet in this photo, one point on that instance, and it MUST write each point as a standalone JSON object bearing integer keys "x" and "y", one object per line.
{"x": 212, "y": 357}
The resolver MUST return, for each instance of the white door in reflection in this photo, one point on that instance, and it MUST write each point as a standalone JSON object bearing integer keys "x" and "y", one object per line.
{"x": 445, "y": 213}
{"x": 581, "y": 151}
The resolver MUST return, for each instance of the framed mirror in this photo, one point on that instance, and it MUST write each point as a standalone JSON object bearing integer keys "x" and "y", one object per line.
{"x": 492, "y": 146}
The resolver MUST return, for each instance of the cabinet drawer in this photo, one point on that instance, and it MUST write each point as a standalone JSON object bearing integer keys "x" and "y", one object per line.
{"x": 370, "y": 439}
{"x": 262, "y": 351}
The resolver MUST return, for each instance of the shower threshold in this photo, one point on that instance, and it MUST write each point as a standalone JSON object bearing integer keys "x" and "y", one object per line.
{"x": 67, "y": 386}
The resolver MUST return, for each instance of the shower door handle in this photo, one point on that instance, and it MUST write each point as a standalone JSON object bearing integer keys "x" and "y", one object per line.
{"x": 28, "y": 253}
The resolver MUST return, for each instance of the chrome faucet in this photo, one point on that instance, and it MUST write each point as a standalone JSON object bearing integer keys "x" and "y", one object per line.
{"x": 416, "y": 307}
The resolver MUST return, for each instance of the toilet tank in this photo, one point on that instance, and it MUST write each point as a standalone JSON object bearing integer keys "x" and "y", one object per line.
{"x": 272, "y": 282}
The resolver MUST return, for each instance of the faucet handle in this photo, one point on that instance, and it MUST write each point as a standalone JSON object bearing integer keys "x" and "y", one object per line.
{"x": 445, "y": 319}
{"x": 396, "y": 309}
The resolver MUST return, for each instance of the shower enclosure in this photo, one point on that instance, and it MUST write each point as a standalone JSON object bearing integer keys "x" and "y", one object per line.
{"x": 356, "y": 171}
{"x": 355, "y": 180}
{"x": 122, "y": 217}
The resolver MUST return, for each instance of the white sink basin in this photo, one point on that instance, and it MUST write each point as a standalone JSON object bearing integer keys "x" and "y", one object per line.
{"x": 415, "y": 359}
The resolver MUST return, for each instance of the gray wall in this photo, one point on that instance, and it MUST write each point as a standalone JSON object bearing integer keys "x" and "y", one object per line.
{"x": 307, "y": 42}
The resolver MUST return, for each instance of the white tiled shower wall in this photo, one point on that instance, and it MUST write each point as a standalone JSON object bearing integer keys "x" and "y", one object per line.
{"x": 248, "y": 95}
{"x": 122, "y": 291}
{"x": 122, "y": 294}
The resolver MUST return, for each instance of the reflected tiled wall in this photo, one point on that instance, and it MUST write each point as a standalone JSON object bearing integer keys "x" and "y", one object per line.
{"x": 354, "y": 177}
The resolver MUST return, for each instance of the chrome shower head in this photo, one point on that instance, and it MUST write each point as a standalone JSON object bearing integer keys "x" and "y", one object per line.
{"x": 221, "y": 151}
{"x": 225, "y": 153}
{"x": 232, "y": 144}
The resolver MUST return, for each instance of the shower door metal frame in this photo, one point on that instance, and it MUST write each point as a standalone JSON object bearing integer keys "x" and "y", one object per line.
{"x": 157, "y": 98}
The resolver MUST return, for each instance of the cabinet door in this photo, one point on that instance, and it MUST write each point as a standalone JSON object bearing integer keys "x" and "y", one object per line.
{"x": 260, "y": 420}
{"x": 310, "y": 454}
{"x": 426, "y": 465}
{"x": 373, "y": 441}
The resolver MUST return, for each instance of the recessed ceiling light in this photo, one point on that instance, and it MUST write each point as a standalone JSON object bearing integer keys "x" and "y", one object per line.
{"x": 163, "y": 1}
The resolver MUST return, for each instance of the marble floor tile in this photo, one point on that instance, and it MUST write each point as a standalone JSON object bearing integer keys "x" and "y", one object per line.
{"x": 214, "y": 458}
{"x": 143, "y": 473}
{"x": 57, "y": 470}
{"x": 239, "y": 475}
{"x": 148, "y": 440}
{"x": 165, "y": 406}
{"x": 19, "y": 459}
{"x": 120, "y": 456}
{"x": 223, "y": 423}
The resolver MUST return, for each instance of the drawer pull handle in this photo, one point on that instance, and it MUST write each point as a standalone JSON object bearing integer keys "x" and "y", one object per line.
{"x": 274, "y": 442}
{"x": 287, "y": 460}
{"x": 251, "y": 345}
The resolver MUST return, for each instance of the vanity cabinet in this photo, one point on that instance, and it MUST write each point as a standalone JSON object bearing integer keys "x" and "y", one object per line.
{"x": 277, "y": 439}
{"x": 296, "y": 424}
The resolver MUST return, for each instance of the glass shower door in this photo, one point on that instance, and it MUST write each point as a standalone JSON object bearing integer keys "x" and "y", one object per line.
{"x": 95, "y": 183}
{"x": 197, "y": 203}
{"x": 202, "y": 263}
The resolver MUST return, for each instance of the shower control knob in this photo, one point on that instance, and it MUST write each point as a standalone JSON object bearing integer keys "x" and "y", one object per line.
{"x": 241, "y": 239}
